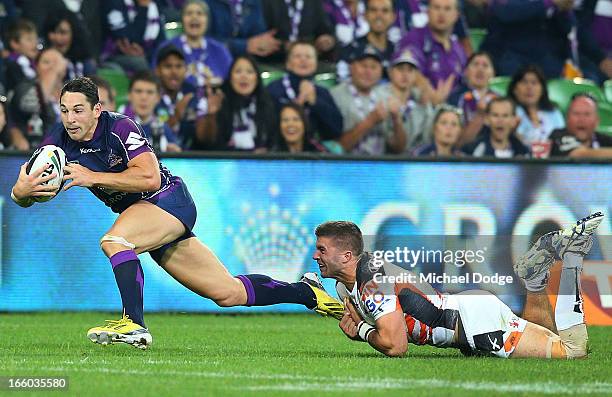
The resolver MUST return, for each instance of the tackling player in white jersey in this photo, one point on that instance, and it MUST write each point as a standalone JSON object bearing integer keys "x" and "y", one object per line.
{"x": 389, "y": 315}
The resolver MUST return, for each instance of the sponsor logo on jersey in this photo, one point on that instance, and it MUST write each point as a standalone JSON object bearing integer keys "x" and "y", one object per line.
{"x": 85, "y": 150}
{"x": 134, "y": 141}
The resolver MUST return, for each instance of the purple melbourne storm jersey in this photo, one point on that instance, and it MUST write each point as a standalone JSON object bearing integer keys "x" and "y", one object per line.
{"x": 117, "y": 139}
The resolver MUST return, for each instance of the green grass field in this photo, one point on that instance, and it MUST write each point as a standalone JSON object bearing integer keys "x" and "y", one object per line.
{"x": 196, "y": 355}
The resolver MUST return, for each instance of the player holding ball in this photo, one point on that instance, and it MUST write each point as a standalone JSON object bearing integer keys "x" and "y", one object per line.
{"x": 108, "y": 154}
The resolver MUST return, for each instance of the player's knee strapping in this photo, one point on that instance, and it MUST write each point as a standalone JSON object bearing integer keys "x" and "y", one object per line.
{"x": 570, "y": 343}
{"x": 108, "y": 238}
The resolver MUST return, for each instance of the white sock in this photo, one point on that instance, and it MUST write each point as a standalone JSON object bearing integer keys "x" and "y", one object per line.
{"x": 569, "y": 309}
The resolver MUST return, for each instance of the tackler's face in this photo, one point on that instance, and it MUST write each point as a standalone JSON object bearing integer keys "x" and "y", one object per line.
{"x": 78, "y": 117}
{"x": 328, "y": 256}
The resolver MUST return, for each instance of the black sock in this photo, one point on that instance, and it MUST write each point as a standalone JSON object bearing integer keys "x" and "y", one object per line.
{"x": 263, "y": 291}
{"x": 130, "y": 280}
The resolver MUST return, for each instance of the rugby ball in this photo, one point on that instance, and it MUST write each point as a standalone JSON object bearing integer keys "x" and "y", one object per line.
{"x": 55, "y": 158}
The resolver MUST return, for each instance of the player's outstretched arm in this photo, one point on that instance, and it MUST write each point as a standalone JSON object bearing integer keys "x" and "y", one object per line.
{"x": 142, "y": 175}
{"x": 388, "y": 336}
{"x": 32, "y": 185}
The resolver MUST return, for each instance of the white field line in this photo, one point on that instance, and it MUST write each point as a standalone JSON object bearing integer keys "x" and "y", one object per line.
{"x": 338, "y": 384}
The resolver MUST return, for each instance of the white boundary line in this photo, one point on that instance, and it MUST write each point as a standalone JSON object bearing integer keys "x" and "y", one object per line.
{"x": 338, "y": 384}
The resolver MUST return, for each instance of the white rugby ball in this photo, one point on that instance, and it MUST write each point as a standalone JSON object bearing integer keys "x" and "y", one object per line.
{"x": 56, "y": 159}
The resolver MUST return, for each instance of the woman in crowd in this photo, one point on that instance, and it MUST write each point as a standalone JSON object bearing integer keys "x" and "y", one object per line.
{"x": 446, "y": 130}
{"x": 207, "y": 60}
{"x": 295, "y": 136}
{"x": 241, "y": 116}
{"x": 473, "y": 94}
{"x": 61, "y": 32}
{"x": 538, "y": 114}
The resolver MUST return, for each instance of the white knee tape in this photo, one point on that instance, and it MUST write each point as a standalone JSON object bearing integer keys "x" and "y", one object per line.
{"x": 107, "y": 238}
{"x": 575, "y": 340}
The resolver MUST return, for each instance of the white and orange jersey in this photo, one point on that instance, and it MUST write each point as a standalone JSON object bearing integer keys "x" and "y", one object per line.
{"x": 382, "y": 288}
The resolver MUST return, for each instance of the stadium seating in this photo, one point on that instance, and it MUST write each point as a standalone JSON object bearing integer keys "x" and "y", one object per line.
{"x": 608, "y": 90}
{"x": 560, "y": 91}
{"x": 327, "y": 80}
{"x": 500, "y": 84}
{"x": 271, "y": 75}
{"x": 476, "y": 37}
{"x": 173, "y": 29}
{"x": 119, "y": 81}
{"x": 605, "y": 118}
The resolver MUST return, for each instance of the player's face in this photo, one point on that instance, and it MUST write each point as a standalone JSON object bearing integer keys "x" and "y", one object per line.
{"x": 442, "y": 15}
{"x": 291, "y": 125}
{"x": 528, "y": 90}
{"x": 243, "y": 77}
{"x": 79, "y": 119}
{"x": 479, "y": 72}
{"x": 501, "y": 120}
{"x": 61, "y": 37}
{"x": 171, "y": 72}
{"x": 380, "y": 15}
{"x": 366, "y": 73}
{"x": 143, "y": 97}
{"x": 402, "y": 76}
{"x": 195, "y": 21}
{"x": 328, "y": 256}
{"x": 582, "y": 118}
{"x": 447, "y": 128}
{"x": 303, "y": 60}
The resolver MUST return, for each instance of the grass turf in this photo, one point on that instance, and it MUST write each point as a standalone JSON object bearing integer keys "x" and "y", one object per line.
{"x": 273, "y": 355}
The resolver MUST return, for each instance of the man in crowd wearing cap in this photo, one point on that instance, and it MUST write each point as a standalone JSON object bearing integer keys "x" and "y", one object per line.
{"x": 181, "y": 106}
{"x": 578, "y": 138}
{"x": 416, "y": 114}
{"x": 380, "y": 17}
{"x": 438, "y": 52}
{"x": 365, "y": 110}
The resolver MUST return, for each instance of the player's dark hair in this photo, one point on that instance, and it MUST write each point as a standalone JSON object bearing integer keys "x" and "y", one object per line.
{"x": 501, "y": 99}
{"x": 18, "y": 28}
{"x": 144, "y": 75}
{"x": 346, "y": 235}
{"x": 85, "y": 86}
{"x": 103, "y": 83}
{"x": 544, "y": 103}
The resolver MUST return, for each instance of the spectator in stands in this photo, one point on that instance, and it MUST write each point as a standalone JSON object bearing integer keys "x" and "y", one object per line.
{"x": 208, "y": 60}
{"x": 134, "y": 29}
{"x": 380, "y": 16}
{"x": 579, "y": 138}
{"x": 240, "y": 25}
{"x": 143, "y": 98}
{"x": 33, "y": 108}
{"x": 538, "y": 114}
{"x": 348, "y": 16}
{"x": 294, "y": 136}
{"x": 412, "y": 14}
{"x": 297, "y": 86}
{"x": 8, "y": 13}
{"x": 497, "y": 138}
{"x": 85, "y": 14}
{"x": 446, "y": 131}
{"x": 529, "y": 32}
{"x": 106, "y": 93}
{"x": 298, "y": 20}
{"x": 473, "y": 94}
{"x": 59, "y": 33}
{"x": 440, "y": 55}
{"x": 365, "y": 109}
{"x": 241, "y": 116}
{"x": 594, "y": 35}
{"x": 23, "y": 45}
{"x": 416, "y": 116}
{"x": 181, "y": 106}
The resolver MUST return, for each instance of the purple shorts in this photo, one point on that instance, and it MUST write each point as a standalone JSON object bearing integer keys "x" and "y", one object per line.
{"x": 176, "y": 201}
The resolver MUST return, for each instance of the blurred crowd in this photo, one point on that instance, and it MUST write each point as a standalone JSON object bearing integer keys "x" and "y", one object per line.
{"x": 481, "y": 78}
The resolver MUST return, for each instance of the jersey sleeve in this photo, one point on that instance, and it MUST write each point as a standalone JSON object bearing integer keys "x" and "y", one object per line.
{"x": 53, "y": 136}
{"x": 378, "y": 299}
{"x": 131, "y": 137}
